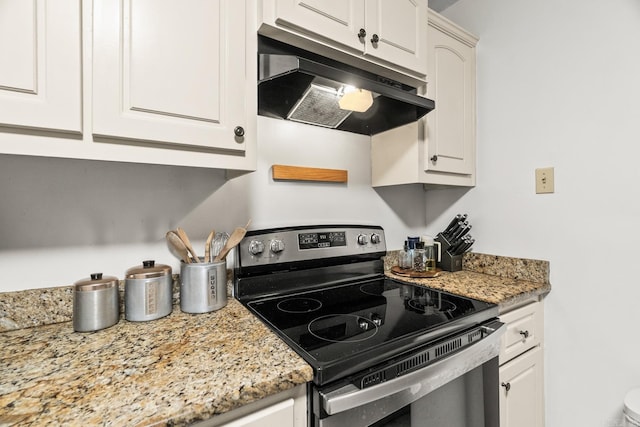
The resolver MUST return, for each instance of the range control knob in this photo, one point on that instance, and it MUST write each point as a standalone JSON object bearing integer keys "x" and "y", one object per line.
{"x": 256, "y": 247}
{"x": 277, "y": 246}
{"x": 375, "y": 238}
{"x": 363, "y": 239}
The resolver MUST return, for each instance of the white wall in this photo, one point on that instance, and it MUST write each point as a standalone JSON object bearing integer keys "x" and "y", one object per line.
{"x": 62, "y": 219}
{"x": 559, "y": 85}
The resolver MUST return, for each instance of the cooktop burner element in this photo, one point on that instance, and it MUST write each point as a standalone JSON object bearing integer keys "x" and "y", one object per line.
{"x": 299, "y": 305}
{"x": 342, "y": 328}
{"x": 375, "y": 288}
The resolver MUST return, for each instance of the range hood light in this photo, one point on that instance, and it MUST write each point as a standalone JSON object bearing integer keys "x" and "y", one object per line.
{"x": 353, "y": 99}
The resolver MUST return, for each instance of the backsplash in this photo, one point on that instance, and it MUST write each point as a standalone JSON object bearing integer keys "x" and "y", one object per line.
{"x": 39, "y": 307}
{"x": 35, "y": 307}
{"x": 531, "y": 270}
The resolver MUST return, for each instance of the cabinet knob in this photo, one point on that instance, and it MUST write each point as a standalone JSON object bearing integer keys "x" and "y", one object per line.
{"x": 239, "y": 131}
{"x": 362, "y": 33}
{"x": 375, "y": 39}
{"x": 507, "y": 386}
{"x": 434, "y": 158}
{"x": 525, "y": 334}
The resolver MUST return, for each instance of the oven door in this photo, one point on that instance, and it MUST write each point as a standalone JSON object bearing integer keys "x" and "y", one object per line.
{"x": 460, "y": 390}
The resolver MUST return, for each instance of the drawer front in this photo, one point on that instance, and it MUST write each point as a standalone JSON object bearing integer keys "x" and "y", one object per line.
{"x": 524, "y": 330}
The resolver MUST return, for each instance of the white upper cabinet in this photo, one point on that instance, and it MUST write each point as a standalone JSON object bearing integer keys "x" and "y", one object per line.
{"x": 170, "y": 72}
{"x": 451, "y": 127}
{"x": 336, "y": 20}
{"x": 389, "y": 33}
{"x": 440, "y": 149}
{"x": 396, "y": 33}
{"x": 142, "y": 81}
{"x": 40, "y": 72}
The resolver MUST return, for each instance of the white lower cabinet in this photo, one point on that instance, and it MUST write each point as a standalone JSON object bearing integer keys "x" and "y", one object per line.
{"x": 285, "y": 409}
{"x": 522, "y": 368}
{"x": 521, "y": 391}
{"x": 280, "y": 414}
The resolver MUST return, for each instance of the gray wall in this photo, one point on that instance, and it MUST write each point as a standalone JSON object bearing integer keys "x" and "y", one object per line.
{"x": 62, "y": 219}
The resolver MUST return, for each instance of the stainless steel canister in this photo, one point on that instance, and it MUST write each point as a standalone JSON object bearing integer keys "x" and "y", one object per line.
{"x": 96, "y": 303}
{"x": 148, "y": 292}
{"x": 203, "y": 286}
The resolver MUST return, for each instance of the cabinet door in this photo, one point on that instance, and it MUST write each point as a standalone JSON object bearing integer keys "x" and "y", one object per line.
{"x": 450, "y": 130}
{"x": 40, "y": 73}
{"x": 169, "y": 72}
{"x": 280, "y": 414}
{"x": 336, "y": 20}
{"x": 521, "y": 391}
{"x": 400, "y": 28}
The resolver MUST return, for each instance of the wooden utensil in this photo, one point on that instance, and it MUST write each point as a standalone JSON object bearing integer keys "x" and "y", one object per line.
{"x": 178, "y": 247}
{"x": 207, "y": 247}
{"x": 232, "y": 242}
{"x": 183, "y": 236}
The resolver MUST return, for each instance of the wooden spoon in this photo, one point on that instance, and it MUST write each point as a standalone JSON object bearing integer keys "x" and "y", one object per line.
{"x": 179, "y": 249}
{"x": 232, "y": 242}
{"x": 207, "y": 247}
{"x": 183, "y": 236}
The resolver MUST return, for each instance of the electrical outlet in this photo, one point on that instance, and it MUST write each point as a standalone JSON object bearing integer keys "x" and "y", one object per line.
{"x": 544, "y": 180}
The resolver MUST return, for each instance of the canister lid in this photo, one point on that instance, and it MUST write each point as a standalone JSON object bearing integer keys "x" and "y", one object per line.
{"x": 96, "y": 282}
{"x": 632, "y": 404}
{"x": 148, "y": 270}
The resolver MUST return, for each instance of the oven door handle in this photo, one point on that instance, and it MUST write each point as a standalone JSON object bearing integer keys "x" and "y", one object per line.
{"x": 415, "y": 385}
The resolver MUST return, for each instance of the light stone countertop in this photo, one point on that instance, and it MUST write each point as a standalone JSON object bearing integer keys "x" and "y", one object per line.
{"x": 171, "y": 371}
{"x": 500, "y": 280}
{"x": 498, "y": 290}
{"x": 184, "y": 367}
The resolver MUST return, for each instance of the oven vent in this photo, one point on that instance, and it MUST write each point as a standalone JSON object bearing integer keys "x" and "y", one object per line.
{"x": 475, "y": 335}
{"x": 409, "y": 365}
{"x": 419, "y": 360}
{"x": 448, "y": 347}
{"x": 372, "y": 379}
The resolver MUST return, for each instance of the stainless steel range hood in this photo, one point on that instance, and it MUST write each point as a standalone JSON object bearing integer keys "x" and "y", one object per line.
{"x": 294, "y": 84}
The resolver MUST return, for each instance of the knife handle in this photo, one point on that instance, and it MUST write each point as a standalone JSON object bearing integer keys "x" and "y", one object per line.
{"x": 453, "y": 222}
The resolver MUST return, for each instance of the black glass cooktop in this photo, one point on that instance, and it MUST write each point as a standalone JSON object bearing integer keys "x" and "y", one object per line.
{"x": 343, "y": 329}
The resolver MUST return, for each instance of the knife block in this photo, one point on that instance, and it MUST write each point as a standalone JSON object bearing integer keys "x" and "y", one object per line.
{"x": 448, "y": 262}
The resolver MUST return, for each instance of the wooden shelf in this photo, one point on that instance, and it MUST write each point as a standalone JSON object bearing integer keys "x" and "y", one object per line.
{"x": 299, "y": 173}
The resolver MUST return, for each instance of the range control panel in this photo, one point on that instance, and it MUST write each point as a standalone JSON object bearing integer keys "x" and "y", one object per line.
{"x": 322, "y": 240}
{"x": 282, "y": 245}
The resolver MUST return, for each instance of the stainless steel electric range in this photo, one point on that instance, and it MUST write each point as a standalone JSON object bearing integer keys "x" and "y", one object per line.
{"x": 384, "y": 352}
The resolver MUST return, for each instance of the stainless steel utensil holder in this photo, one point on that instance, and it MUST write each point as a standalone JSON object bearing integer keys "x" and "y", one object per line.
{"x": 448, "y": 262}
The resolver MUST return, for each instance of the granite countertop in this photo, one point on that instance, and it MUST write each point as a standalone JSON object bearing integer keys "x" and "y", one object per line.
{"x": 170, "y": 371}
{"x": 500, "y": 280}
{"x": 497, "y": 290}
{"x": 184, "y": 367}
